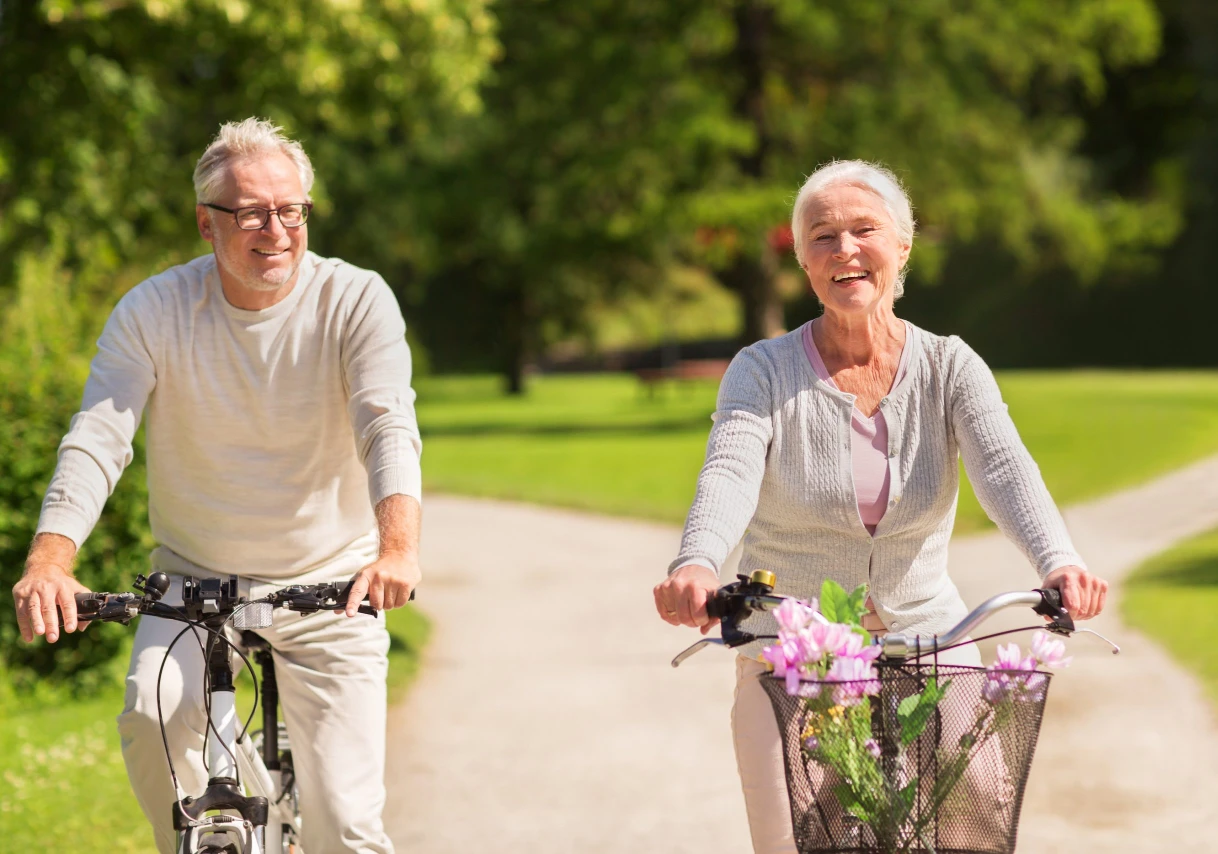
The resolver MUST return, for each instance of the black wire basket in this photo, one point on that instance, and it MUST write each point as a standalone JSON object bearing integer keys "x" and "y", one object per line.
{"x": 894, "y": 773}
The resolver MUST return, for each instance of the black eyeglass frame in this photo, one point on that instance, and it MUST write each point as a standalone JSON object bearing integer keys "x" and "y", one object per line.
{"x": 266, "y": 214}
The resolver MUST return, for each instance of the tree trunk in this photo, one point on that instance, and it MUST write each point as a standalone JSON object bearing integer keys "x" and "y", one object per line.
{"x": 515, "y": 351}
{"x": 753, "y": 275}
{"x": 753, "y": 278}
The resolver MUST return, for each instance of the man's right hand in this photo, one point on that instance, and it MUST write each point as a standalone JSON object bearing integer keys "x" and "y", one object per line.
{"x": 681, "y": 598}
{"x": 45, "y": 586}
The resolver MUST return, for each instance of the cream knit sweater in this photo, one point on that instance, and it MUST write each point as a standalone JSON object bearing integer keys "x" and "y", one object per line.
{"x": 779, "y": 464}
{"x": 271, "y": 434}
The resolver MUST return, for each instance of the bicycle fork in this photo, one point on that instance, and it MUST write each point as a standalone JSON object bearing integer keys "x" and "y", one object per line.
{"x": 238, "y": 823}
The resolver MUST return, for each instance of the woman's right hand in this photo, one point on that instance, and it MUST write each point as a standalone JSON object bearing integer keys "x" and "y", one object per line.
{"x": 681, "y": 598}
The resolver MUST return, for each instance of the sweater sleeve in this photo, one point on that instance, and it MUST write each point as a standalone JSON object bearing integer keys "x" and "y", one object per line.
{"x": 380, "y": 403}
{"x": 730, "y": 480}
{"x": 97, "y": 447}
{"x": 1006, "y": 479}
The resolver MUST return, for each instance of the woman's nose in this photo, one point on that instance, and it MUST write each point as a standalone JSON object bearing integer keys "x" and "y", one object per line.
{"x": 845, "y": 245}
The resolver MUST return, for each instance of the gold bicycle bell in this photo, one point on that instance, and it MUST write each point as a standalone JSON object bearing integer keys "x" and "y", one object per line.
{"x": 763, "y": 576}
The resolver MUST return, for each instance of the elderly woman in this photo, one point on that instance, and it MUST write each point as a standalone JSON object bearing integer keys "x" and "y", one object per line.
{"x": 835, "y": 446}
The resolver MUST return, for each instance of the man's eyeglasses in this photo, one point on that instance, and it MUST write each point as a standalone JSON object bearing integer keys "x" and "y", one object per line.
{"x": 252, "y": 219}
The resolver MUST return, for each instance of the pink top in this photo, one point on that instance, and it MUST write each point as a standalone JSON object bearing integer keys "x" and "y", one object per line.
{"x": 868, "y": 442}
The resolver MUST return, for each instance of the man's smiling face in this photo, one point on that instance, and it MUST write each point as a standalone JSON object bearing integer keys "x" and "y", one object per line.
{"x": 261, "y": 260}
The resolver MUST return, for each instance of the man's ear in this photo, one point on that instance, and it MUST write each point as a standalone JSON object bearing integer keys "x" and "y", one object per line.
{"x": 203, "y": 218}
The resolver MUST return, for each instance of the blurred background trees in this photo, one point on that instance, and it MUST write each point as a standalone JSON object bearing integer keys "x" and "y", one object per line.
{"x": 546, "y": 178}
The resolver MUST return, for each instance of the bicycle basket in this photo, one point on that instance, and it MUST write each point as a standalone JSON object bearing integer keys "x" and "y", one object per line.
{"x": 900, "y": 773}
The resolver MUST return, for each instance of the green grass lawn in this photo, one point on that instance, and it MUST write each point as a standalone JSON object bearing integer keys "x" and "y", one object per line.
{"x": 1181, "y": 582}
{"x": 602, "y": 443}
{"x": 63, "y": 786}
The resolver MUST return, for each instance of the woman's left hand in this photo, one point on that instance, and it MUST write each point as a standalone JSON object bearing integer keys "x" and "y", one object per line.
{"x": 1083, "y": 594}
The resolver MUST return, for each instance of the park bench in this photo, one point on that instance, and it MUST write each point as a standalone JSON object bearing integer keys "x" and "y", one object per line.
{"x": 681, "y": 371}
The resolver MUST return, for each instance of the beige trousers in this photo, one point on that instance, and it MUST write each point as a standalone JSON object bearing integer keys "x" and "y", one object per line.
{"x": 759, "y": 756}
{"x": 331, "y": 672}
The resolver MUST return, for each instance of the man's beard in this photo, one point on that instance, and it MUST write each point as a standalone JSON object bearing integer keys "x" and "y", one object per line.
{"x": 251, "y": 280}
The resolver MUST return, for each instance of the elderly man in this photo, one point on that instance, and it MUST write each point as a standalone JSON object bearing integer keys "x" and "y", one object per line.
{"x": 282, "y": 448}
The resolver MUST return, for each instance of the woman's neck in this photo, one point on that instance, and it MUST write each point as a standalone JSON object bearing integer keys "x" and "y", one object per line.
{"x": 848, "y": 340}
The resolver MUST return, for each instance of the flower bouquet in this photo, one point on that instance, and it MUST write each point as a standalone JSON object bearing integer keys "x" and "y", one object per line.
{"x": 900, "y": 758}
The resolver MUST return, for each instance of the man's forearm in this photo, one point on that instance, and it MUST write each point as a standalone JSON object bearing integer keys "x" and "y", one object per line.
{"x": 49, "y": 550}
{"x": 398, "y": 520}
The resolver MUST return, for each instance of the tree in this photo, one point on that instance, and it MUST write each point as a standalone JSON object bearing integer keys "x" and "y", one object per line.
{"x": 561, "y": 190}
{"x": 617, "y": 137}
{"x": 976, "y": 105}
{"x": 108, "y": 105}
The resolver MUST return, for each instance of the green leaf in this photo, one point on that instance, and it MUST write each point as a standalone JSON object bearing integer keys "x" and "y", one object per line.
{"x": 914, "y": 712}
{"x": 857, "y": 602}
{"x": 835, "y": 604}
{"x": 848, "y": 798}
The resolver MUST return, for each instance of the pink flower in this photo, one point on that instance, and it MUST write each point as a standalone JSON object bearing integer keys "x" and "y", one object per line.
{"x": 856, "y": 679}
{"x": 783, "y": 655}
{"x": 1034, "y": 686}
{"x": 1009, "y": 658}
{"x": 1015, "y": 674}
{"x": 1049, "y": 651}
{"x": 997, "y": 688}
{"x": 792, "y": 615}
{"x": 828, "y": 637}
{"x": 872, "y": 747}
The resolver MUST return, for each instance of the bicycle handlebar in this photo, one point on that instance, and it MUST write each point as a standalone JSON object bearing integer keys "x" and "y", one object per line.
{"x": 735, "y": 602}
{"x": 211, "y": 598}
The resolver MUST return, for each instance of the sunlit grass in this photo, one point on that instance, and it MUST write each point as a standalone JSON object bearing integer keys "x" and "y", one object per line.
{"x": 1173, "y": 598}
{"x": 604, "y": 443}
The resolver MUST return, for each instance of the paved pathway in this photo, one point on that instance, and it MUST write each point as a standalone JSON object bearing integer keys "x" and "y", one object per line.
{"x": 547, "y": 719}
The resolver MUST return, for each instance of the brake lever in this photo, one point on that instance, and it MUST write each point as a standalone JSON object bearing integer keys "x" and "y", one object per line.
{"x": 697, "y": 647}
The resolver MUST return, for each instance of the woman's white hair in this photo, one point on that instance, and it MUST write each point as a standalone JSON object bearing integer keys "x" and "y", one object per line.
{"x": 249, "y": 138}
{"x": 872, "y": 177}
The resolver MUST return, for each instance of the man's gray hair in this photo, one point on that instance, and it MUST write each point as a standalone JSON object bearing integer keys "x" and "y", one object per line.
{"x": 249, "y": 138}
{"x": 872, "y": 177}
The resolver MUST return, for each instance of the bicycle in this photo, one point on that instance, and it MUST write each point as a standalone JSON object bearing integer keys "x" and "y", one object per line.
{"x": 251, "y": 803}
{"x": 944, "y": 776}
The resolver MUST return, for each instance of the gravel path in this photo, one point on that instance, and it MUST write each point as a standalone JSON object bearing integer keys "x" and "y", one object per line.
{"x": 547, "y": 719}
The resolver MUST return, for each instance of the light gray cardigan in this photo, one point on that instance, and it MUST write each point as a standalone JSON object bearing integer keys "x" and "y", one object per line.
{"x": 779, "y": 462}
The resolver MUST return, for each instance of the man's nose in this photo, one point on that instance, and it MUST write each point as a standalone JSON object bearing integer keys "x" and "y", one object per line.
{"x": 273, "y": 225}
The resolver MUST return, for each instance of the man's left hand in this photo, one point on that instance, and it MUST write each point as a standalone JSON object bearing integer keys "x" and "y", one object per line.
{"x": 387, "y": 582}
{"x": 1083, "y": 594}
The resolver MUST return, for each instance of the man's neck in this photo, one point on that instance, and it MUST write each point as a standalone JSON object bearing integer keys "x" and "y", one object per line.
{"x": 253, "y": 299}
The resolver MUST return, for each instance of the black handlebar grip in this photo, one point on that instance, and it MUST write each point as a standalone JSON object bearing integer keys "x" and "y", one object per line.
{"x": 714, "y": 606}
{"x": 1052, "y": 598}
{"x": 368, "y": 609}
{"x": 89, "y": 603}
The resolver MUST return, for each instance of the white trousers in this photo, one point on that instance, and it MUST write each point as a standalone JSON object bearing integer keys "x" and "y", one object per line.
{"x": 759, "y": 758}
{"x": 331, "y": 673}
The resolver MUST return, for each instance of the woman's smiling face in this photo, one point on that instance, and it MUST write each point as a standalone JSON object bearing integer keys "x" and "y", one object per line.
{"x": 853, "y": 253}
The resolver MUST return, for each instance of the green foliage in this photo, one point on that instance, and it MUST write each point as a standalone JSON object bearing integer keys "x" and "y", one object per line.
{"x": 558, "y": 194}
{"x": 41, "y": 378}
{"x": 108, "y": 105}
{"x": 915, "y": 711}
{"x": 838, "y": 606}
